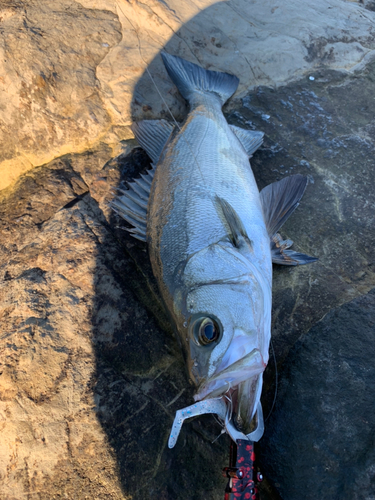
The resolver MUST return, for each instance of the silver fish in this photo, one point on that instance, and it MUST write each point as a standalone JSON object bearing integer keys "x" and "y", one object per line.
{"x": 212, "y": 237}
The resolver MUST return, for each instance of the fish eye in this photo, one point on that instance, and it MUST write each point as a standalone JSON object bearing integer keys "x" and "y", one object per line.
{"x": 206, "y": 331}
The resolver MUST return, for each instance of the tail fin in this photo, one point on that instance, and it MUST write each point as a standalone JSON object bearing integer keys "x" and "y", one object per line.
{"x": 190, "y": 78}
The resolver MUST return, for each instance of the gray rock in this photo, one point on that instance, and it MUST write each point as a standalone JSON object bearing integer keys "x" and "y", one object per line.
{"x": 319, "y": 441}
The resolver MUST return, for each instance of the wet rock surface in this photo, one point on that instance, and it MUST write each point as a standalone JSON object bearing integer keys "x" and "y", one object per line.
{"x": 313, "y": 128}
{"x": 90, "y": 373}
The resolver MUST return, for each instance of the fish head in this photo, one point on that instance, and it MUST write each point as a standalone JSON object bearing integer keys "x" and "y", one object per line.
{"x": 226, "y": 328}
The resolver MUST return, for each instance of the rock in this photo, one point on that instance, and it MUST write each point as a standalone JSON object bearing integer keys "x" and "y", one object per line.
{"x": 69, "y": 84}
{"x": 50, "y": 96}
{"x": 52, "y": 442}
{"x": 319, "y": 438}
{"x": 315, "y": 130}
{"x": 88, "y": 381}
{"x": 90, "y": 374}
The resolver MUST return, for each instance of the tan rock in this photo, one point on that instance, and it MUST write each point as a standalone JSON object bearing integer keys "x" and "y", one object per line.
{"x": 49, "y": 431}
{"x": 80, "y": 79}
{"x": 50, "y": 101}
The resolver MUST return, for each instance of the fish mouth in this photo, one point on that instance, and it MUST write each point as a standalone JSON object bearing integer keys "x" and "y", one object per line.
{"x": 223, "y": 381}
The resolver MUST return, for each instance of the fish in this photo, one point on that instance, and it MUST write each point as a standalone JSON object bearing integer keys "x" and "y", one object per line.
{"x": 212, "y": 238}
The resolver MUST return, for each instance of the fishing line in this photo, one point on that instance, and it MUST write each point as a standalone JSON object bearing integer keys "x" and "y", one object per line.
{"x": 223, "y": 431}
{"x": 158, "y": 91}
{"x": 148, "y": 72}
{"x": 229, "y": 415}
{"x": 276, "y": 382}
{"x": 230, "y": 409}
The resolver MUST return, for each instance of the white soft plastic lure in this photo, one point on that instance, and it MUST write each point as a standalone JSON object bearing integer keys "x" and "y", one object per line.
{"x": 212, "y": 238}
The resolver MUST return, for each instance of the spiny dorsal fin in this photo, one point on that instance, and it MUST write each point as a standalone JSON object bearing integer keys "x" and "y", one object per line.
{"x": 237, "y": 231}
{"x": 280, "y": 199}
{"x": 152, "y": 136}
{"x": 132, "y": 204}
{"x": 251, "y": 140}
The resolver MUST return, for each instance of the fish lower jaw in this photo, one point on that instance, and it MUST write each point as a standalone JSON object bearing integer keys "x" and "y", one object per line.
{"x": 221, "y": 383}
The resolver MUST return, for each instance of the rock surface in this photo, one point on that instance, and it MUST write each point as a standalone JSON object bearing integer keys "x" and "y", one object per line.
{"x": 328, "y": 452}
{"x": 90, "y": 374}
{"x": 71, "y": 72}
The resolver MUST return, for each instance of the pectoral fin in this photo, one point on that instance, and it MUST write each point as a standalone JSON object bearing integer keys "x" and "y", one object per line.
{"x": 237, "y": 231}
{"x": 279, "y": 200}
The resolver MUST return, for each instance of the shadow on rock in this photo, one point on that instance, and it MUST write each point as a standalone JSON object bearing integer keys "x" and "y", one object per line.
{"x": 141, "y": 377}
{"x": 320, "y": 441}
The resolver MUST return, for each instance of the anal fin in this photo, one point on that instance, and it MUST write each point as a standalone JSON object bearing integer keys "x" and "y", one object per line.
{"x": 251, "y": 140}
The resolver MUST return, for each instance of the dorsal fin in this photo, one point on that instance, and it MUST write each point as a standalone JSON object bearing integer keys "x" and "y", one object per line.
{"x": 251, "y": 140}
{"x": 238, "y": 232}
{"x": 152, "y": 136}
{"x": 132, "y": 204}
{"x": 280, "y": 199}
